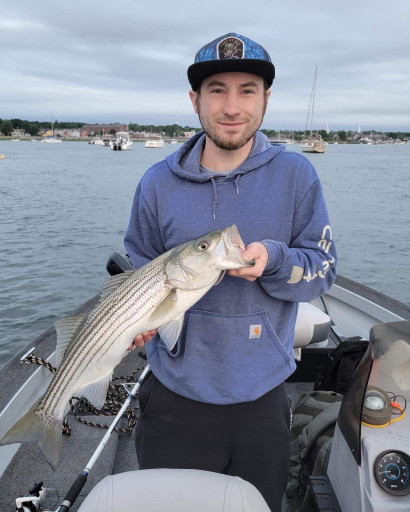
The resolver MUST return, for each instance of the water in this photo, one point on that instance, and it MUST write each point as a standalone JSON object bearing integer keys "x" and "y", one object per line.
{"x": 65, "y": 207}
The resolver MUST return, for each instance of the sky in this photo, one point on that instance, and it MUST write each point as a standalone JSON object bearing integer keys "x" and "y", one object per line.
{"x": 126, "y": 60}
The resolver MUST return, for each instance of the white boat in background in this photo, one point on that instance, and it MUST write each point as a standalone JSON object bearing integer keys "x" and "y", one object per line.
{"x": 279, "y": 139}
{"x": 313, "y": 143}
{"x": 122, "y": 142}
{"x": 50, "y": 137}
{"x": 52, "y": 140}
{"x": 97, "y": 142}
{"x": 155, "y": 141}
{"x": 173, "y": 141}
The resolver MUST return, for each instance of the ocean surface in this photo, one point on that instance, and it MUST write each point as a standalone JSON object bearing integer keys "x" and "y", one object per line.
{"x": 64, "y": 209}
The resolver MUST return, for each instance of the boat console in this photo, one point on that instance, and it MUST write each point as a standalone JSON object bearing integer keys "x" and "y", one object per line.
{"x": 369, "y": 465}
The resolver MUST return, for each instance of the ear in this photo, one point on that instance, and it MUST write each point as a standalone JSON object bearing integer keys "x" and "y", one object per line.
{"x": 193, "y": 95}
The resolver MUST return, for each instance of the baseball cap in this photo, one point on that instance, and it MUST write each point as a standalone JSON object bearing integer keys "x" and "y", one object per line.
{"x": 231, "y": 52}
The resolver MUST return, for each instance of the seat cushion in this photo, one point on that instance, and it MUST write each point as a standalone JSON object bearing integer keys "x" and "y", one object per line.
{"x": 173, "y": 490}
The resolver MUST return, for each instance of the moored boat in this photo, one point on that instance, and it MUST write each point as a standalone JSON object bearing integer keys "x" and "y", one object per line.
{"x": 155, "y": 141}
{"x": 96, "y": 141}
{"x": 122, "y": 142}
{"x": 348, "y": 310}
{"x": 52, "y": 140}
{"x": 313, "y": 143}
{"x": 50, "y": 137}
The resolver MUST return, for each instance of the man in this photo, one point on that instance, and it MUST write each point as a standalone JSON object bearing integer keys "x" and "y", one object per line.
{"x": 216, "y": 401}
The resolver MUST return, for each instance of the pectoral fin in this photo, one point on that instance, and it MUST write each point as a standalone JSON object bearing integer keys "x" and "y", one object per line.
{"x": 170, "y": 332}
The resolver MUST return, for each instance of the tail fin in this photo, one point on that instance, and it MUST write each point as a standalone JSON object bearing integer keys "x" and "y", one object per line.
{"x": 35, "y": 427}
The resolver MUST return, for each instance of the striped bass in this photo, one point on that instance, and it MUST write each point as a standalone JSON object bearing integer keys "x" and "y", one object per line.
{"x": 156, "y": 296}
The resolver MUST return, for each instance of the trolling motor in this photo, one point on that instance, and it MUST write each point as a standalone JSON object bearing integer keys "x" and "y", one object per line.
{"x": 32, "y": 500}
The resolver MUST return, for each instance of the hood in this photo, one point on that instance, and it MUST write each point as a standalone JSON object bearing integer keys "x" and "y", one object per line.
{"x": 185, "y": 162}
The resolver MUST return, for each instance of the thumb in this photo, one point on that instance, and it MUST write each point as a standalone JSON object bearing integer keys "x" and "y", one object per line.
{"x": 251, "y": 252}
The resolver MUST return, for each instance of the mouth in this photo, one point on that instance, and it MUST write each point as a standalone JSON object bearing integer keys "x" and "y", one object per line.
{"x": 231, "y": 125}
{"x": 233, "y": 241}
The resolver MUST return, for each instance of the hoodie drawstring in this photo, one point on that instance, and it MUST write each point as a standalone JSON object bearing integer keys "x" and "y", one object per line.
{"x": 215, "y": 198}
{"x": 215, "y": 193}
{"x": 237, "y": 184}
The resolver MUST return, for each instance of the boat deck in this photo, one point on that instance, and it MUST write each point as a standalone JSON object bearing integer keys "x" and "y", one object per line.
{"x": 28, "y": 466}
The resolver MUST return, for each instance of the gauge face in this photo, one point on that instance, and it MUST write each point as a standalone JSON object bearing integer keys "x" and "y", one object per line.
{"x": 392, "y": 472}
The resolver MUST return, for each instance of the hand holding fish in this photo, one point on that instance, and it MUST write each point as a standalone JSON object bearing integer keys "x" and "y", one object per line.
{"x": 255, "y": 251}
{"x": 141, "y": 339}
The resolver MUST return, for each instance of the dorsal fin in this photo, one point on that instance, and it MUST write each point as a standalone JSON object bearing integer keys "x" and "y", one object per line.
{"x": 66, "y": 329}
{"x": 115, "y": 282}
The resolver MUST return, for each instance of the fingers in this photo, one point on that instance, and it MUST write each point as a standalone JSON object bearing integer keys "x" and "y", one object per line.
{"x": 141, "y": 339}
{"x": 257, "y": 252}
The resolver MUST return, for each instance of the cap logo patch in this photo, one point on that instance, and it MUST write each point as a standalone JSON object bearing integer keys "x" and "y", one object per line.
{"x": 231, "y": 48}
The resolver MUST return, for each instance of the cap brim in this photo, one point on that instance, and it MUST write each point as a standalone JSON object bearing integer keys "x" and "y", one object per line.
{"x": 200, "y": 70}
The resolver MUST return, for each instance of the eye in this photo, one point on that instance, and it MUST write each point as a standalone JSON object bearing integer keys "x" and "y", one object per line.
{"x": 203, "y": 246}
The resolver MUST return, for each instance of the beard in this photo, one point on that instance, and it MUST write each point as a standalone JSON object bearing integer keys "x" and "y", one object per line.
{"x": 231, "y": 142}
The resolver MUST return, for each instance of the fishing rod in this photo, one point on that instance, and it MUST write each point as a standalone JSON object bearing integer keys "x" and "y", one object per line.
{"x": 80, "y": 481}
{"x": 31, "y": 502}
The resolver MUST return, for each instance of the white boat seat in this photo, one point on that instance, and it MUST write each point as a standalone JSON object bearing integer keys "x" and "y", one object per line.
{"x": 312, "y": 326}
{"x": 173, "y": 490}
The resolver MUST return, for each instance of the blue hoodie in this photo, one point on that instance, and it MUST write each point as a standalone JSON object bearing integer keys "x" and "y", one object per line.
{"x": 237, "y": 341}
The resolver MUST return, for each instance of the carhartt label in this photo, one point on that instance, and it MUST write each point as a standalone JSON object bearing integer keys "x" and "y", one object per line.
{"x": 255, "y": 331}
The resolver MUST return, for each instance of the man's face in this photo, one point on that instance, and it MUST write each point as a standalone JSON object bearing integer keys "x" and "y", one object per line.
{"x": 231, "y": 107}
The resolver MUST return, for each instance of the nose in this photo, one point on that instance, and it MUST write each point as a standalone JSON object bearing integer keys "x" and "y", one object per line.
{"x": 231, "y": 104}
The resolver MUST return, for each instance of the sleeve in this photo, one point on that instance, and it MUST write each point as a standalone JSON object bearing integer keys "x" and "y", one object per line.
{"x": 142, "y": 239}
{"x": 306, "y": 268}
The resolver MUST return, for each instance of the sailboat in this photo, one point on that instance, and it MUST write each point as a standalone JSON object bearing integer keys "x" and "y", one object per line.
{"x": 51, "y": 138}
{"x": 313, "y": 143}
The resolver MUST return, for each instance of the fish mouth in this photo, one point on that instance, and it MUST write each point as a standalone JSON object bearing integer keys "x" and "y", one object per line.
{"x": 230, "y": 249}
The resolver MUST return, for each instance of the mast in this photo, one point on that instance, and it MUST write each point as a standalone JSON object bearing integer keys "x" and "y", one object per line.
{"x": 311, "y": 104}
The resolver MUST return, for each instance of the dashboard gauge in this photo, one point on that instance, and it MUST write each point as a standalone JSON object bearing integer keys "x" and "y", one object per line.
{"x": 392, "y": 472}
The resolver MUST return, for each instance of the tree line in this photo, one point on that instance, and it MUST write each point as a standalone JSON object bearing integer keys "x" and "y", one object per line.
{"x": 7, "y": 126}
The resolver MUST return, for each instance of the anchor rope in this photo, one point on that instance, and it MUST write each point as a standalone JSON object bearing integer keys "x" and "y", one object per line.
{"x": 116, "y": 396}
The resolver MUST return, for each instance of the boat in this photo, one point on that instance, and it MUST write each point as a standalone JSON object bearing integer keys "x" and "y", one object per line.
{"x": 50, "y": 137}
{"x": 173, "y": 141}
{"x": 100, "y": 472}
{"x": 52, "y": 140}
{"x": 154, "y": 141}
{"x": 313, "y": 143}
{"x": 279, "y": 139}
{"x": 2, "y": 156}
{"x": 122, "y": 142}
{"x": 97, "y": 141}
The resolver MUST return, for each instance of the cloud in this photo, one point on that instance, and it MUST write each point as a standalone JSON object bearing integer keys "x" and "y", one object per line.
{"x": 127, "y": 61}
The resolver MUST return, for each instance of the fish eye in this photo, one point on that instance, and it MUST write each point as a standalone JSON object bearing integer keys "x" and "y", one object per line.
{"x": 203, "y": 246}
